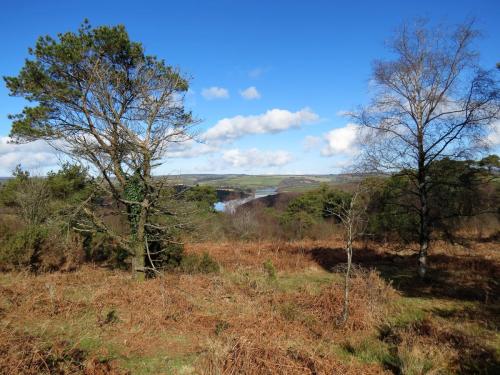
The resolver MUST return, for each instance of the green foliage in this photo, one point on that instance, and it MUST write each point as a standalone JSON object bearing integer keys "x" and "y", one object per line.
{"x": 59, "y": 66}
{"x": 134, "y": 192}
{"x": 98, "y": 247}
{"x": 490, "y": 161}
{"x": 189, "y": 263}
{"x": 42, "y": 206}
{"x": 193, "y": 263}
{"x": 205, "y": 196}
{"x": 165, "y": 256}
{"x": 459, "y": 189}
{"x": 270, "y": 270}
{"x": 70, "y": 183}
{"x": 67, "y": 186}
{"x": 8, "y": 191}
{"x": 456, "y": 189}
{"x": 391, "y": 210}
{"x": 453, "y": 187}
{"x": 208, "y": 264}
{"x": 311, "y": 208}
{"x": 21, "y": 248}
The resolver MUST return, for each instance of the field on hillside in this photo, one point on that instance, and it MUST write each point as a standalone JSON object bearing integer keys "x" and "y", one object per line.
{"x": 284, "y": 183}
{"x": 272, "y": 308}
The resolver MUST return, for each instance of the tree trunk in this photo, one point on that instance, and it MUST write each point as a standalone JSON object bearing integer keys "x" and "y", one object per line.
{"x": 345, "y": 314}
{"x": 140, "y": 245}
{"x": 424, "y": 228}
{"x": 138, "y": 263}
{"x": 424, "y": 208}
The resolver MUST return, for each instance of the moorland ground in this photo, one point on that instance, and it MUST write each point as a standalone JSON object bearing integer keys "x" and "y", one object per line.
{"x": 270, "y": 308}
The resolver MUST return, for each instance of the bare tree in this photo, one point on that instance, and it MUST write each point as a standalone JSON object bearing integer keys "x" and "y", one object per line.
{"x": 32, "y": 198}
{"x": 432, "y": 101}
{"x": 102, "y": 100}
{"x": 351, "y": 212}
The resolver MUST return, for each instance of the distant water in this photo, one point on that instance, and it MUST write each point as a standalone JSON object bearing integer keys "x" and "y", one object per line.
{"x": 259, "y": 193}
{"x": 230, "y": 206}
{"x": 219, "y": 206}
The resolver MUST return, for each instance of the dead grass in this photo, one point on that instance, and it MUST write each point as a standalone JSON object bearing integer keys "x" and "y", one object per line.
{"x": 178, "y": 314}
{"x": 433, "y": 345}
{"x": 21, "y": 353}
{"x": 284, "y": 255}
{"x": 242, "y": 321}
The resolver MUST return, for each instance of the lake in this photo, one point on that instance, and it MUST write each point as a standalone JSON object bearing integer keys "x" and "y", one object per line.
{"x": 231, "y": 205}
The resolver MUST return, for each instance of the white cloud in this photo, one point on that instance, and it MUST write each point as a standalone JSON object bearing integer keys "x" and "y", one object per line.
{"x": 34, "y": 155}
{"x": 190, "y": 149}
{"x": 494, "y": 135}
{"x": 273, "y": 121}
{"x": 342, "y": 164}
{"x": 311, "y": 142}
{"x": 254, "y": 157}
{"x": 250, "y": 93}
{"x": 341, "y": 141}
{"x": 215, "y": 92}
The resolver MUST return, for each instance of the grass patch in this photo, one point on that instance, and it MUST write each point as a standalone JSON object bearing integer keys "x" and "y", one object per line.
{"x": 159, "y": 364}
{"x": 366, "y": 350}
{"x": 311, "y": 280}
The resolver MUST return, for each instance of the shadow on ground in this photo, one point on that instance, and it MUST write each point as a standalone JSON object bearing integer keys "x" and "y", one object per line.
{"x": 460, "y": 278}
{"x": 467, "y": 278}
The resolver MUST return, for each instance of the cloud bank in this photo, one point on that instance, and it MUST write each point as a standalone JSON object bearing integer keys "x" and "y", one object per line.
{"x": 34, "y": 155}
{"x": 341, "y": 141}
{"x": 273, "y": 121}
{"x": 254, "y": 157}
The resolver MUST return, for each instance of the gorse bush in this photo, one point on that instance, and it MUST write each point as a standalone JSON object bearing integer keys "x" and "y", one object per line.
{"x": 22, "y": 249}
{"x": 208, "y": 264}
{"x": 51, "y": 207}
{"x": 194, "y": 263}
{"x": 42, "y": 210}
{"x": 8, "y": 191}
{"x": 70, "y": 184}
{"x": 42, "y": 249}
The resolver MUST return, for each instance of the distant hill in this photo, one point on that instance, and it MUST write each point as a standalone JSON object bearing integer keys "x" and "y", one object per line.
{"x": 278, "y": 201}
{"x": 284, "y": 183}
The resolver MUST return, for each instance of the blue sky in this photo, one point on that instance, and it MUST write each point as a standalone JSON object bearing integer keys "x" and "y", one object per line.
{"x": 306, "y": 60}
